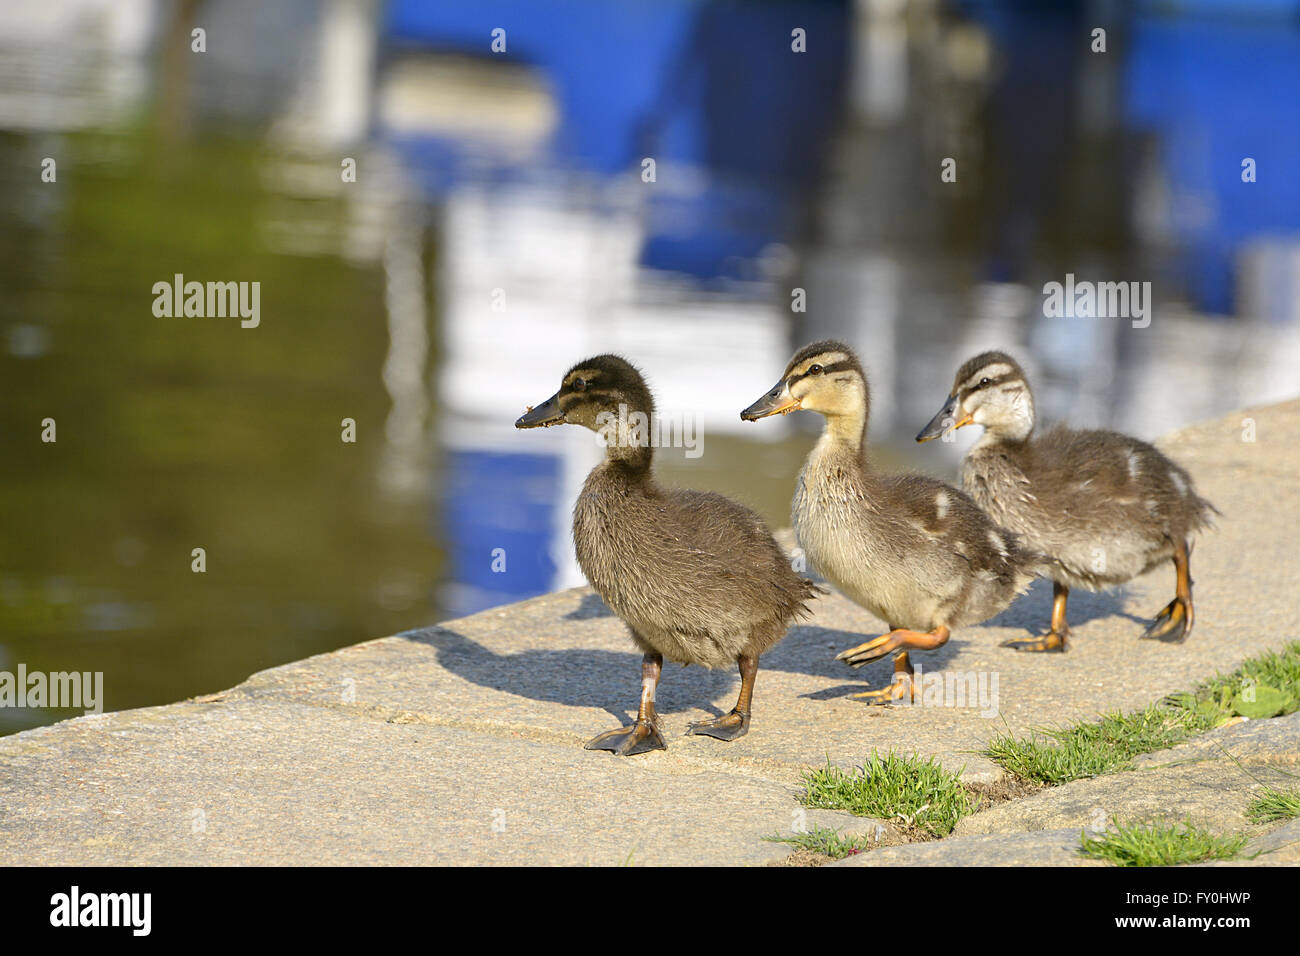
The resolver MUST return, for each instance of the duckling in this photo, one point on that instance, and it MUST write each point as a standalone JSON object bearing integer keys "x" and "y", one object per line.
{"x": 912, "y": 550}
{"x": 1102, "y": 506}
{"x": 697, "y": 578}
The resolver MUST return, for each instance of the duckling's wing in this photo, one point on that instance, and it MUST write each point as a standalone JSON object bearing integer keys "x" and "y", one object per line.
{"x": 1105, "y": 481}
{"x": 728, "y": 548}
{"x": 953, "y": 522}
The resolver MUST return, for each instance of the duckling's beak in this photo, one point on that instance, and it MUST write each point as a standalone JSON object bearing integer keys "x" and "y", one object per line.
{"x": 543, "y": 416}
{"x": 778, "y": 399}
{"x": 947, "y": 418}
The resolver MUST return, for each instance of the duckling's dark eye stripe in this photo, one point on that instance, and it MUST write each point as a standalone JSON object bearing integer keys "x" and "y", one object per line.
{"x": 990, "y": 383}
{"x": 825, "y": 370}
{"x": 589, "y": 393}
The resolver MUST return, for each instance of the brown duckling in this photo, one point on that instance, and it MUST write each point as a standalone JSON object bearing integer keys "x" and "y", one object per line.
{"x": 697, "y": 578}
{"x": 914, "y": 551}
{"x": 1102, "y": 506}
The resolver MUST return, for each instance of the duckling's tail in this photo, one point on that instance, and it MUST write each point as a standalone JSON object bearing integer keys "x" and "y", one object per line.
{"x": 1031, "y": 565}
{"x": 1202, "y": 513}
{"x": 1197, "y": 513}
{"x": 808, "y": 589}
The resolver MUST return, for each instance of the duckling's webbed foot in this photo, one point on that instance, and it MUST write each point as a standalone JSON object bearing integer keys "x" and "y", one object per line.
{"x": 900, "y": 688}
{"x": 727, "y": 727}
{"x": 897, "y": 638}
{"x": 641, "y": 737}
{"x": 644, "y": 734}
{"x": 1051, "y": 641}
{"x": 1055, "y": 639}
{"x": 735, "y": 724}
{"x": 1172, "y": 624}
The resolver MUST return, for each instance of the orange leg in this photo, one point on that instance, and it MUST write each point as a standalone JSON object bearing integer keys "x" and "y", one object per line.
{"x": 874, "y": 650}
{"x": 1174, "y": 622}
{"x": 1053, "y": 640}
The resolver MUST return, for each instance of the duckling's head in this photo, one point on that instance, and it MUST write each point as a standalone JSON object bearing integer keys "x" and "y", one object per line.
{"x": 989, "y": 390}
{"x": 823, "y": 377}
{"x": 597, "y": 393}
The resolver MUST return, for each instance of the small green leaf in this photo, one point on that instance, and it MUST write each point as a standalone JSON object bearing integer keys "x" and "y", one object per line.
{"x": 1268, "y": 702}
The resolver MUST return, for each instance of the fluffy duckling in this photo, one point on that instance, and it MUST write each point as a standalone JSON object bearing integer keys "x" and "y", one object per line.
{"x": 1102, "y": 506}
{"x": 697, "y": 578}
{"x": 912, "y": 550}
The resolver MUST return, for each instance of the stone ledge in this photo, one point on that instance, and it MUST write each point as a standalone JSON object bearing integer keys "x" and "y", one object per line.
{"x": 462, "y": 743}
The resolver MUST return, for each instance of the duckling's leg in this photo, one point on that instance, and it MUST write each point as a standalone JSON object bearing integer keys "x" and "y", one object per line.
{"x": 1174, "y": 622}
{"x": 1053, "y": 640}
{"x": 735, "y": 724}
{"x": 644, "y": 734}
{"x": 901, "y": 686}
{"x": 899, "y": 637}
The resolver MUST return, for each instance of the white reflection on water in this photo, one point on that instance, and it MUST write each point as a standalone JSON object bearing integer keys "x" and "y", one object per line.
{"x": 72, "y": 64}
{"x": 404, "y": 465}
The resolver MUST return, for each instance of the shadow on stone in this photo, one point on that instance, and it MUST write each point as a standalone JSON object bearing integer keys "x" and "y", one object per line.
{"x": 844, "y": 690}
{"x": 590, "y": 607}
{"x": 811, "y": 650}
{"x": 576, "y": 677}
{"x": 585, "y": 677}
{"x": 1033, "y": 610}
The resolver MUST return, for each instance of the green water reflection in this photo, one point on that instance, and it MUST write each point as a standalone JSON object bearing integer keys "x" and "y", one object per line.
{"x": 174, "y": 434}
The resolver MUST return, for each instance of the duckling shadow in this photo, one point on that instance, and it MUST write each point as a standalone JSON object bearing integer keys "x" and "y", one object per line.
{"x": 591, "y": 606}
{"x": 1032, "y": 612}
{"x": 811, "y": 650}
{"x": 586, "y": 677}
{"x": 575, "y": 677}
{"x": 1085, "y": 606}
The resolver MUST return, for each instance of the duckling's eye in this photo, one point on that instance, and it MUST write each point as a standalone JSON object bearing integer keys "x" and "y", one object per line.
{"x": 985, "y": 381}
{"x": 814, "y": 370}
{"x": 578, "y": 385}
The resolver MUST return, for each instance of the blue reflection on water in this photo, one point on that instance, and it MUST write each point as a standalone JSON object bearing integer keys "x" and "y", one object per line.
{"x": 498, "y": 519}
{"x": 1242, "y": 81}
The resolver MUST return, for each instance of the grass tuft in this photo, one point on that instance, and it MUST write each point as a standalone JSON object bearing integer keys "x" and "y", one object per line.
{"x": 1273, "y": 804}
{"x": 917, "y": 792}
{"x": 1056, "y": 756}
{"x": 1264, "y": 686}
{"x": 1159, "y": 844}
{"x": 826, "y": 841}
